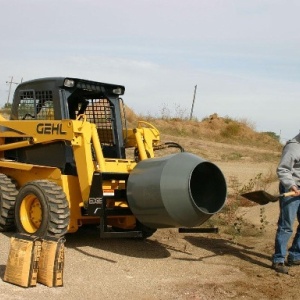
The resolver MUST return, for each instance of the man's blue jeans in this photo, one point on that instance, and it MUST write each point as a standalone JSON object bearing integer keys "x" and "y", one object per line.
{"x": 289, "y": 210}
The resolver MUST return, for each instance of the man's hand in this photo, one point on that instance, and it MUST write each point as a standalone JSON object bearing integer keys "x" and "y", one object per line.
{"x": 294, "y": 188}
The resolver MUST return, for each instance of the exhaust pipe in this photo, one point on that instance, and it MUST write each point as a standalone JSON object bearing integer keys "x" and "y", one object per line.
{"x": 175, "y": 190}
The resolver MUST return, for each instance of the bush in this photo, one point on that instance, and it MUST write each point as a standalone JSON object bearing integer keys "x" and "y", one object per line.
{"x": 232, "y": 129}
{"x": 273, "y": 135}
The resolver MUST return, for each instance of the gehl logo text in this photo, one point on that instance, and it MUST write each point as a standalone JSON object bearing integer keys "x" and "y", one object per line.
{"x": 50, "y": 128}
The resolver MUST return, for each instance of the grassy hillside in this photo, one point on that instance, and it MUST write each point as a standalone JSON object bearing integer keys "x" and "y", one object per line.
{"x": 216, "y": 138}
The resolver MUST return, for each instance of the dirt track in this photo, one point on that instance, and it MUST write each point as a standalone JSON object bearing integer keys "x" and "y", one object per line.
{"x": 168, "y": 265}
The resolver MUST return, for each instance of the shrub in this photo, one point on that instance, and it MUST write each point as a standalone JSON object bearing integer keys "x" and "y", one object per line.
{"x": 232, "y": 129}
{"x": 273, "y": 135}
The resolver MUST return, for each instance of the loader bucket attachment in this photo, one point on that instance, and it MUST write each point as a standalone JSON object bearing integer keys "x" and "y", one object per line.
{"x": 176, "y": 190}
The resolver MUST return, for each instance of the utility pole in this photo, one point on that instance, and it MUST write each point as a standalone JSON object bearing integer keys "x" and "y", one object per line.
{"x": 191, "y": 115}
{"x": 10, "y": 83}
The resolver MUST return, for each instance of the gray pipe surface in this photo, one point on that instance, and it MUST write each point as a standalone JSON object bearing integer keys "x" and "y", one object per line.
{"x": 176, "y": 190}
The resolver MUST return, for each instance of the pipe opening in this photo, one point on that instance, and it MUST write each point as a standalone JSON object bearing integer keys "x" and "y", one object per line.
{"x": 208, "y": 187}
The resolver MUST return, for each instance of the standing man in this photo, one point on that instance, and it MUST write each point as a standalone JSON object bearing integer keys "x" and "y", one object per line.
{"x": 288, "y": 173}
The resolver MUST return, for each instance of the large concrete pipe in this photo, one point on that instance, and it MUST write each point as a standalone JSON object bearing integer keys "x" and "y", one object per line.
{"x": 176, "y": 190}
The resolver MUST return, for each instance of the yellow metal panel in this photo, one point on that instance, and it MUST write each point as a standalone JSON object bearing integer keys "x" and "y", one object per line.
{"x": 40, "y": 131}
{"x": 23, "y": 173}
{"x": 70, "y": 185}
{"x": 119, "y": 165}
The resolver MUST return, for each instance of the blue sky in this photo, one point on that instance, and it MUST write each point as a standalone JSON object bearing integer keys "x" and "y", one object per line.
{"x": 244, "y": 56}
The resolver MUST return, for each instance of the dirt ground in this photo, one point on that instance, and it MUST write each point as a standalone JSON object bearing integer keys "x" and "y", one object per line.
{"x": 169, "y": 265}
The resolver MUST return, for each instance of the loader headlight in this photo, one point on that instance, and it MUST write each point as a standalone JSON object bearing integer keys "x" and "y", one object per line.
{"x": 69, "y": 82}
{"x": 118, "y": 91}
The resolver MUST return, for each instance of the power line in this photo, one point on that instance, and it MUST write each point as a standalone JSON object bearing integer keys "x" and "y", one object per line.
{"x": 10, "y": 83}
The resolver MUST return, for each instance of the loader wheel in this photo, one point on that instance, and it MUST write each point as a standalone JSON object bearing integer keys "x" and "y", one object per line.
{"x": 42, "y": 209}
{"x": 8, "y": 193}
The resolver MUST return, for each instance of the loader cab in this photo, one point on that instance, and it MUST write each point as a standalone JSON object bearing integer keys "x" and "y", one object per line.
{"x": 68, "y": 98}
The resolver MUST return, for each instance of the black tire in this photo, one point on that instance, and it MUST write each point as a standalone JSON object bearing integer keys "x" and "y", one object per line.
{"x": 42, "y": 209}
{"x": 8, "y": 193}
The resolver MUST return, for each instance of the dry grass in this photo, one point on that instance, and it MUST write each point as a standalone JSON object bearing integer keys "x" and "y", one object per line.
{"x": 233, "y": 140}
{"x": 214, "y": 128}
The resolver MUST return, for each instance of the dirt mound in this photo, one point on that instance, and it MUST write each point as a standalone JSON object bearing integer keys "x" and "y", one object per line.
{"x": 216, "y": 129}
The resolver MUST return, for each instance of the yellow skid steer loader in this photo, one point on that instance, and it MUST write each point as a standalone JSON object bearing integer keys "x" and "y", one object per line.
{"x": 63, "y": 165}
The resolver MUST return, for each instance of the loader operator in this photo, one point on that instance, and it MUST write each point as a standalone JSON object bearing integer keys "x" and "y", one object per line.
{"x": 288, "y": 173}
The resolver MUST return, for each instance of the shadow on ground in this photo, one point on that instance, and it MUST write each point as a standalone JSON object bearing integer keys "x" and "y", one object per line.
{"x": 2, "y": 271}
{"x": 90, "y": 237}
{"x": 220, "y": 246}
